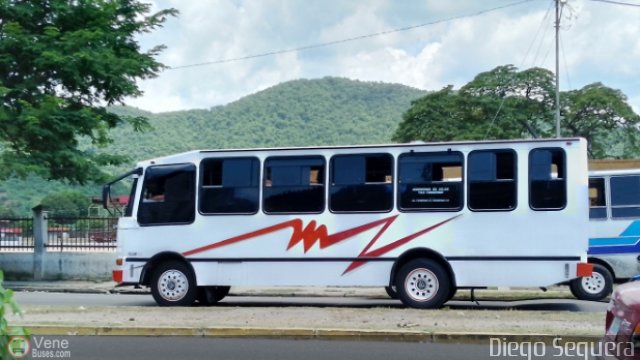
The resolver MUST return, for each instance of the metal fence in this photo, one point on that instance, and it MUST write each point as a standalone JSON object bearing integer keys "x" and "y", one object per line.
{"x": 16, "y": 234}
{"x": 63, "y": 234}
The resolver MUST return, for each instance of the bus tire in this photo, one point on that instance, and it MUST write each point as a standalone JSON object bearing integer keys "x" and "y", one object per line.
{"x": 210, "y": 295}
{"x": 173, "y": 284}
{"x": 595, "y": 287}
{"x": 452, "y": 293}
{"x": 391, "y": 291}
{"x": 423, "y": 284}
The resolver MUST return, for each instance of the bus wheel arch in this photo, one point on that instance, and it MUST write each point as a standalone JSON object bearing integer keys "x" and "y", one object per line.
{"x": 424, "y": 265}
{"x": 157, "y": 259}
{"x": 594, "y": 260}
{"x": 595, "y": 287}
{"x": 172, "y": 280}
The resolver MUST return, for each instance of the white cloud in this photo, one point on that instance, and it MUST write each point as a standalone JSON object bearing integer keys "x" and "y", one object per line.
{"x": 603, "y": 45}
{"x": 600, "y": 43}
{"x": 395, "y": 66}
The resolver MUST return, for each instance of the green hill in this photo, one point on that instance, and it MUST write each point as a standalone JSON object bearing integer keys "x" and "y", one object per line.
{"x": 328, "y": 111}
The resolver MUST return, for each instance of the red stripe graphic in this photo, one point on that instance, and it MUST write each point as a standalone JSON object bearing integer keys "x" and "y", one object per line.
{"x": 270, "y": 229}
{"x": 311, "y": 234}
{"x": 394, "y": 245}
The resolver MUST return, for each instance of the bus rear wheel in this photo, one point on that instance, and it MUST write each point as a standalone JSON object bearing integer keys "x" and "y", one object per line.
{"x": 173, "y": 284}
{"x": 210, "y": 295}
{"x": 595, "y": 287}
{"x": 423, "y": 283}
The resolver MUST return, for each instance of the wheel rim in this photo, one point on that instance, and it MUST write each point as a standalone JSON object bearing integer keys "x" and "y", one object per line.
{"x": 594, "y": 284}
{"x": 421, "y": 285}
{"x": 173, "y": 285}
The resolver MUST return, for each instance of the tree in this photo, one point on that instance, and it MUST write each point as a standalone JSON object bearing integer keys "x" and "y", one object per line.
{"x": 6, "y": 212}
{"x": 524, "y": 99}
{"x": 61, "y": 63}
{"x": 434, "y": 117}
{"x": 603, "y": 117}
{"x": 500, "y": 104}
{"x": 66, "y": 203}
{"x": 505, "y": 103}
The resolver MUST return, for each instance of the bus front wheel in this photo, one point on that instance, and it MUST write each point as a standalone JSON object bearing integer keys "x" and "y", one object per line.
{"x": 423, "y": 283}
{"x": 391, "y": 291}
{"x": 595, "y": 287}
{"x": 173, "y": 284}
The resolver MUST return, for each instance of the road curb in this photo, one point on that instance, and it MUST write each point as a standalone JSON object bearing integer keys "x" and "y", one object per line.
{"x": 301, "y": 333}
{"x": 82, "y": 290}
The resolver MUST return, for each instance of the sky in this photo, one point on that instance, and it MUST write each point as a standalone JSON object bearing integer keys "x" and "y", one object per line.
{"x": 445, "y": 43}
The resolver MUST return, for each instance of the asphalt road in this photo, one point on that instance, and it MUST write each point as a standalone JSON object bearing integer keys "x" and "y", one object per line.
{"x": 73, "y": 299}
{"x": 151, "y": 348}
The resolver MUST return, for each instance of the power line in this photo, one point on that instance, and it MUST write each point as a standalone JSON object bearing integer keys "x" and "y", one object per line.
{"x": 356, "y": 38}
{"x": 504, "y": 98}
{"x": 617, "y": 3}
{"x": 535, "y": 38}
{"x": 566, "y": 67}
{"x": 543, "y": 37}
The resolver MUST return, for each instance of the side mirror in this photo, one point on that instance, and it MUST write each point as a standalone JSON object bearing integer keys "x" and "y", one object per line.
{"x": 106, "y": 190}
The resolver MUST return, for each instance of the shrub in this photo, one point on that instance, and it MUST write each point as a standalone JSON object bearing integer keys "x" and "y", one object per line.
{"x": 7, "y": 303}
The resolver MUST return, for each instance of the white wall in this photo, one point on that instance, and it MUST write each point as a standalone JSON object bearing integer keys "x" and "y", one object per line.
{"x": 60, "y": 265}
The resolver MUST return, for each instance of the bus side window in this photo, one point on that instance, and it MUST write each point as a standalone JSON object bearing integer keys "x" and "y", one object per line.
{"x": 430, "y": 181}
{"x": 492, "y": 180}
{"x": 229, "y": 186}
{"x": 168, "y": 195}
{"x": 293, "y": 184}
{"x": 547, "y": 179}
{"x": 597, "y": 199}
{"x": 625, "y": 196}
{"x": 361, "y": 183}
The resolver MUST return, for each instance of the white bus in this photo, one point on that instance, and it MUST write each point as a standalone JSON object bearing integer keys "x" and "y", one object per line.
{"x": 614, "y": 231}
{"x": 425, "y": 219}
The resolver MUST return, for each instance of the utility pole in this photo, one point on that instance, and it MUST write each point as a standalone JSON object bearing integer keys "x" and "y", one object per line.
{"x": 558, "y": 66}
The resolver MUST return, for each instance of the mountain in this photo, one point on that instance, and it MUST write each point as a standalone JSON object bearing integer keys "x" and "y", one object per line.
{"x": 327, "y": 111}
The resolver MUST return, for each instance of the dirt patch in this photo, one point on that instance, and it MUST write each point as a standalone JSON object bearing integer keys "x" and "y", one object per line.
{"x": 446, "y": 320}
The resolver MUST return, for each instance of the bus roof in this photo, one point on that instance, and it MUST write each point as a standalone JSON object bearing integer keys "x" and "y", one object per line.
{"x": 185, "y": 156}
{"x": 614, "y": 172}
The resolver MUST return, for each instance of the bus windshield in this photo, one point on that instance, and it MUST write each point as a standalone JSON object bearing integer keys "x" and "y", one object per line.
{"x": 118, "y": 195}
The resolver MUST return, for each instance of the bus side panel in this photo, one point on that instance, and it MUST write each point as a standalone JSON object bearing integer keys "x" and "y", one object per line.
{"x": 316, "y": 273}
{"x": 242, "y": 253}
{"x": 507, "y": 273}
{"x": 624, "y": 266}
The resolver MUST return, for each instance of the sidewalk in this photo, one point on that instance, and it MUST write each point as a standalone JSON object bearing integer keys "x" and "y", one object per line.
{"x": 71, "y": 286}
{"x": 109, "y": 287}
{"x": 458, "y": 323}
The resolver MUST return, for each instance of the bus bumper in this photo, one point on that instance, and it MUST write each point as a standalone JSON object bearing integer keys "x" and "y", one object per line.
{"x": 127, "y": 272}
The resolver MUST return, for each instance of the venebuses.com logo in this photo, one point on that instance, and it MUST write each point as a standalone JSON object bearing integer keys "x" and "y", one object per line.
{"x": 18, "y": 347}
